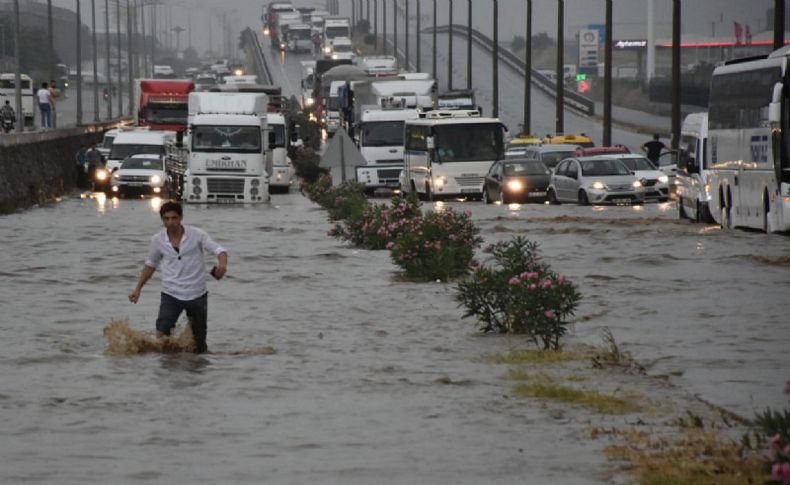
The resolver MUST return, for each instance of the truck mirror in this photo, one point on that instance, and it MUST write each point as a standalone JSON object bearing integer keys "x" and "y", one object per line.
{"x": 775, "y": 112}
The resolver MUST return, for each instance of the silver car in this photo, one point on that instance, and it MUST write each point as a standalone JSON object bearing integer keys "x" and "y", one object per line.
{"x": 594, "y": 180}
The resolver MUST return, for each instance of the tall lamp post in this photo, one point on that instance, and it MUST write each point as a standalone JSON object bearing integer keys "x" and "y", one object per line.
{"x": 560, "y": 83}
{"x": 434, "y": 71}
{"x": 107, "y": 56}
{"x": 527, "y": 121}
{"x": 20, "y": 116}
{"x": 607, "y": 79}
{"x": 95, "y": 63}
{"x": 79, "y": 64}
{"x": 675, "y": 74}
{"x": 495, "y": 82}
{"x": 469, "y": 45}
{"x": 419, "y": 43}
{"x": 450, "y": 49}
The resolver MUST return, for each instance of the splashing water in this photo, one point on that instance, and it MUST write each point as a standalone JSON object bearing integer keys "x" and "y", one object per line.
{"x": 122, "y": 339}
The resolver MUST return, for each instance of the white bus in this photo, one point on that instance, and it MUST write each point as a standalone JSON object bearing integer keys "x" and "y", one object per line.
{"x": 692, "y": 184}
{"x": 448, "y": 153}
{"x": 748, "y": 121}
{"x": 8, "y": 92}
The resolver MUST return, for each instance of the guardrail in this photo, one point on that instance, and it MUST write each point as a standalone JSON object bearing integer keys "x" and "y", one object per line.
{"x": 253, "y": 45}
{"x": 573, "y": 100}
{"x": 37, "y": 136}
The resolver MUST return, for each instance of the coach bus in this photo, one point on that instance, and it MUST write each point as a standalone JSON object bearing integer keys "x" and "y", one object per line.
{"x": 749, "y": 145}
{"x": 448, "y": 153}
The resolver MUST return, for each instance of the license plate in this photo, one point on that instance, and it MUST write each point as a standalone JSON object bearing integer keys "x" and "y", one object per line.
{"x": 621, "y": 201}
{"x": 134, "y": 184}
{"x": 537, "y": 194}
{"x": 470, "y": 191}
{"x": 226, "y": 201}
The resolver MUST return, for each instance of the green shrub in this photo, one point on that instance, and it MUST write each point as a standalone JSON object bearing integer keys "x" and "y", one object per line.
{"x": 776, "y": 427}
{"x": 520, "y": 294}
{"x": 305, "y": 162}
{"x": 437, "y": 246}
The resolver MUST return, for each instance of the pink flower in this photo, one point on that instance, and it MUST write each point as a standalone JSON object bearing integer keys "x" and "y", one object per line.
{"x": 438, "y": 245}
{"x": 545, "y": 284}
{"x": 468, "y": 213}
{"x": 781, "y": 472}
{"x": 549, "y": 314}
{"x": 514, "y": 281}
{"x": 787, "y": 451}
{"x": 774, "y": 442}
{"x": 532, "y": 286}
{"x": 561, "y": 280}
{"x": 390, "y": 245}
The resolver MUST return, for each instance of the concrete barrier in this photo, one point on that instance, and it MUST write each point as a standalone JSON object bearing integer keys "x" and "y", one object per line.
{"x": 40, "y": 166}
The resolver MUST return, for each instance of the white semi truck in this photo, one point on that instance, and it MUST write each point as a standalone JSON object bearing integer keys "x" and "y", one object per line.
{"x": 226, "y": 148}
{"x": 278, "y": 164}
{"x": 380, "y": 140}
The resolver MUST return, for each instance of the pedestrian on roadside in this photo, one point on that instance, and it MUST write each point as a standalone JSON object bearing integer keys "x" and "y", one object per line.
{"x": 95, "y": 162}
{"x": 82, "y": 167}
{"x": 54, "y": 94}
{"x": 653, "y": 149}
{"x": 178, "y": 251}
{"x": 45, "y": 105}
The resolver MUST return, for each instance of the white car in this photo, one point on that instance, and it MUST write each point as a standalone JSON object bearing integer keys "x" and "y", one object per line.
{"x": 142, "y": 174}
{"x": 655, "y": 181}
{"x": 342, "y": 48}
{"x": 594, "y": 180}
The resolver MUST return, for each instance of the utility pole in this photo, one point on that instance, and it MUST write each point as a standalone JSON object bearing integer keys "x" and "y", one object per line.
{"x": 79, "y": 64}
{"x": 469, "y": 45}
{"x": 395, "y": 30}
{"x": 95, "y": 64}
{"x": 607, "y": 79}
{"x": 676, "y": 10}
{"x": 450, "y": 49}
{"x": 129, "y": 59}
{"x": 495, "y": 82}
{"x": 118, "y": 35}
{"x": 527, "y": 121}
{"x": 407, "y": 33}
{"x": 376, "y": 23}
{"x": 51, "y": 39}
{"x": 384, "y": 23}
{"x": 560, "y": 84}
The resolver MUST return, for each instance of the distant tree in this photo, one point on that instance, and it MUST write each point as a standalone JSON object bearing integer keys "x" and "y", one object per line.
{"x": 542, "y": 41}
{"x": 190, "y": 56}
{"x": 33, "y": 50}
{"x": 518, "y": 43}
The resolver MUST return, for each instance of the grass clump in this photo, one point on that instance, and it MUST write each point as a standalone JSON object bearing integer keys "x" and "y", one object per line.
{"x": 699, "y": 457}
{"x": 602, "y": 403}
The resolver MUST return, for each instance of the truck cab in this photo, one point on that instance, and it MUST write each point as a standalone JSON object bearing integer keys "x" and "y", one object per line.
{"x": 380, "y": 141}
{"x": 278, "y": 164}
{"x": 162, "y": 104}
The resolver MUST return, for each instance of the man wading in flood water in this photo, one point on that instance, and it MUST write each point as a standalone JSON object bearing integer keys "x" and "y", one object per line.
{"x": 178, "y": 251}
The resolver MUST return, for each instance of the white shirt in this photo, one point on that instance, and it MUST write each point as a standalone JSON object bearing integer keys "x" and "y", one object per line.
{"x": 43, "y": 96}
{"x": 183, "y": 271}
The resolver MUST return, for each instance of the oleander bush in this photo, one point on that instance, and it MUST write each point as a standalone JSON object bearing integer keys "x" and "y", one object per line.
{"x": 378, "y": 224}
{"x": 340, "y": 201}
{"x": 437, "y": 246}
{"x": 776, "y": 427}
{"x": 519, "y": 294}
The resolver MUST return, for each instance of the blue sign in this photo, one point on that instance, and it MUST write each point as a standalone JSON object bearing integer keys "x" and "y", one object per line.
{"x": 601, "y": 28}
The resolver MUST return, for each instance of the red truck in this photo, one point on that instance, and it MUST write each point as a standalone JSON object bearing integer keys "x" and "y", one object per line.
{"x": 162, "y": 103}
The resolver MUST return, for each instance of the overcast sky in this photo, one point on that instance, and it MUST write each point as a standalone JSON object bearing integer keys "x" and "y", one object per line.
{"x": 699, "y": 17}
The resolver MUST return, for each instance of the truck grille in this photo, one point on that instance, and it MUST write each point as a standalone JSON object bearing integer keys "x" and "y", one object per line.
{"x": 469, "y": 181}
{"x": 392, "y": 173}
{"x": 226, "y": 186}
{"x": 391, "y": 162}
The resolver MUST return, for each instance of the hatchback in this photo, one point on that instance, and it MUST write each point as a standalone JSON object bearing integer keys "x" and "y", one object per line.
{"x": 594, "y": 180}
{"x": 520, "y": 180}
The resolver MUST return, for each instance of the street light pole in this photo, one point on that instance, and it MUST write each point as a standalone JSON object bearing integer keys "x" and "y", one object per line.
{"x": 407, "y": 33}
{"x": 51, "y": 39}
{"x": 395, "y": 30}
{"x": 450, "y": 48}
{"x": 419, "y": 42}
{"x": 107, "y": 56}
{"x": 779, "y": 23}
{"x": 495, "y": 82}
{"x": 607, "y": 79}
{"x": 527, "y": 121}
{"x": 560, "y": 83}
{"x": 384, "y": 23}
{"x": 95, "y": 63}
{"x": 469, "y": 45}
{"x": 20, "y": 116}
{"x": 118, "y": 36}
{"x": 434, "y": 71}
{"x": 676, "y": 74}
{"x": 79, "y": 64}
{"x": 129, "y": 54}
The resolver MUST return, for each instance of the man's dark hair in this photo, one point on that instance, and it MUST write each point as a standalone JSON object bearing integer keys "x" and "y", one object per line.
{"x": 44, "y": 85}
{"x": 656, "y": 136}
{"x": 171, "y": 206}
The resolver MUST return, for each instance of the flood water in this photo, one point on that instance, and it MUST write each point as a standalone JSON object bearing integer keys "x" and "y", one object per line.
{"x": 325, "y": 368}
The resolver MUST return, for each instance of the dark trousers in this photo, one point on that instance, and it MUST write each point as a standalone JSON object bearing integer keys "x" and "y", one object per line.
{"x": 197, "y": 311}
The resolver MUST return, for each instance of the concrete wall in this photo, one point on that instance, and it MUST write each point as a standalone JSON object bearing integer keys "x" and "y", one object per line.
{"x": 38, "y": 167}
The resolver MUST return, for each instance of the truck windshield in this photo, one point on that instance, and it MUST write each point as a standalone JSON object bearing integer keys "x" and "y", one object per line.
{"x": 332, "y": 32}
{"x": 343, "y": 48}
{"x": 468, "y": 142}
{"x": 236, "y": 139}
{"x": 335, "y": 103}
{"x": 382, "y": 134}
{"x": 121, "y": 151}
{"x": 166, "y": 113}
{"x": 107, "y": 142}
{"x": 300, "y": 34}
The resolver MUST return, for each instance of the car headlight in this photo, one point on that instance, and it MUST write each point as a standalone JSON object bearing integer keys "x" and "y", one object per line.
{"x": 515, "y": 185}
{"x": 309, "y": 101}
{"x": 265, "y": 31}
{"x": 598, "y": 185}
{"x": 334, "y": 56}
{"x": 327, "y": 50}
{"x": 116, "y": 175}
{"x": 101, "y": 175}
{"x": 155, "y": 179}
{"x": 637, "y": 184}
{"x": 440, "y": 181}
{"x": 238, "y": 72}
{"x": 663, "y": 179}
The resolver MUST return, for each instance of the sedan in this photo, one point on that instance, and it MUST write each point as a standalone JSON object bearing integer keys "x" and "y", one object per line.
{"x": 516, "y": 181}
{"x": 594, "y": 180}
{"x": 655, "y": 181}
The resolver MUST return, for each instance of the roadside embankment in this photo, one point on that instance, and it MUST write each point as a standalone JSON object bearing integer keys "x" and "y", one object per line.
{"x": 38, "y": 167}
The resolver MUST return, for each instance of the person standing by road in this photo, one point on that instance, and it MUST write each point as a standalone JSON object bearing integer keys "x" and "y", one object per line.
{"x": 82, "y": 167}
{"x": 45, "y": 105}
{"x": 178, "y": 251}
{"x": 653, "y": 149}
{"x": 54, "y": 94}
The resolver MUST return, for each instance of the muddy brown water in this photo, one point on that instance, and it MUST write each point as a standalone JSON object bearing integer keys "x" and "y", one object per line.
{"x": 326, "y": 368}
